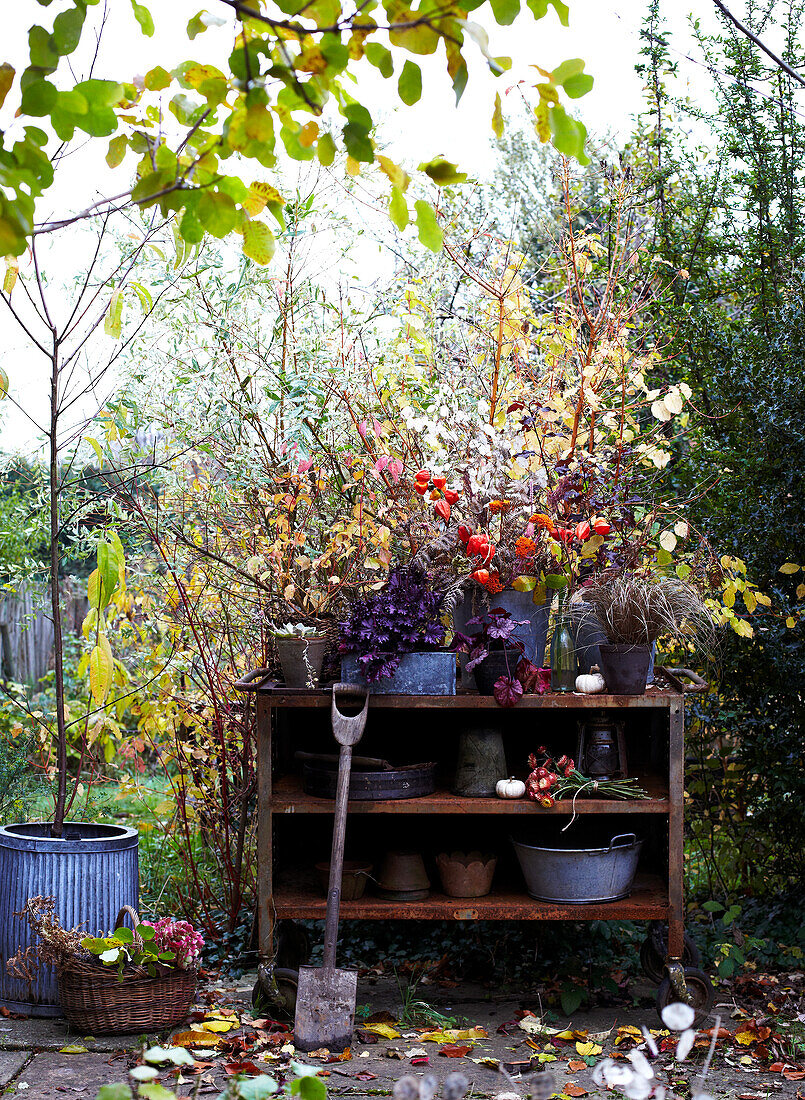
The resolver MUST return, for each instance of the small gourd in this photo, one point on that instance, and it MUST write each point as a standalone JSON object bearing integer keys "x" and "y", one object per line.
{"x": 591, "y": 683}
{"x": 510, "y": 788}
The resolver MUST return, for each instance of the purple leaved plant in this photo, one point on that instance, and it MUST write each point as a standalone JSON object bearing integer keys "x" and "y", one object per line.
{"x": 402, "y": 617}
{"x": 496, "y": 632}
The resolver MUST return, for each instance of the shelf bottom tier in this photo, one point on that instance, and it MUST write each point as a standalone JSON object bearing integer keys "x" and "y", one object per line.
{"x": 647, "y": 901}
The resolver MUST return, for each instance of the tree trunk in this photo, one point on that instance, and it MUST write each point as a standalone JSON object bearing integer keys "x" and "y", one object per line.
{"x": 55, "y": 594}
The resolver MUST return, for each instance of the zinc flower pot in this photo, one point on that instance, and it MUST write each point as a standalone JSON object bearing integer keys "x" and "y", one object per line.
{"x": 429, "y": 672}
{"x": 589, "y": 636}
{"x": 499, "y": 662}
{"x": 92, "y": 872}
{"x": 625, "y": 668}
{"x": 533, "y": 633}
{"x": 301, "y": 660}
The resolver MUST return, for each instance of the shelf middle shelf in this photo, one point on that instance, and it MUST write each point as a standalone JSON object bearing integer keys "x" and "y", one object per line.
{"x": 647, "y": 901}
{"x": 289, "y": 798}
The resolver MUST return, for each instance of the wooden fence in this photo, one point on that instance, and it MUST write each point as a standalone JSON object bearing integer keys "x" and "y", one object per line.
{"x": 26, "y": 628}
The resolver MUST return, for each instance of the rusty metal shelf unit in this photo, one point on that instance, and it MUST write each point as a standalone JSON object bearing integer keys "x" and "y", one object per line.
{"x": 657, "y": 895}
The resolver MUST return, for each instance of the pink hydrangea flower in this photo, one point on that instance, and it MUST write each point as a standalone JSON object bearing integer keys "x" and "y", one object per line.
{"x": 178, "y": 936}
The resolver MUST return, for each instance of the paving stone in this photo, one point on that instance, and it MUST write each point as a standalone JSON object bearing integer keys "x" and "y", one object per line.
{"x": 47, "y": 1033}
{"x": 11, "y": 1063}
{"x": 49, "y": 1076}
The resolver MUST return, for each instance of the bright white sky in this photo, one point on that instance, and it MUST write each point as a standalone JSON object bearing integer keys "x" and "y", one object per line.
{"x": 603, "y": 32}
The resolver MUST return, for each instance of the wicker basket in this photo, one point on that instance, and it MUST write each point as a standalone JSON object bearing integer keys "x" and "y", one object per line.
{"x": 95, "y": 1000}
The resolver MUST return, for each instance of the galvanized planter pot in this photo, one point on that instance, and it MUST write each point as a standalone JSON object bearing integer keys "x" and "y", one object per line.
{"x": 588, "y": 635}
{"x": 92, "y": 871}
{"x": 533, "y": 633}
{"x": 426, "y": 673}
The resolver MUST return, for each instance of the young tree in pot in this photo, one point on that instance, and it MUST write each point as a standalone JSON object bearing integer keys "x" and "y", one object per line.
{"x": 634, "y": 611}
{"x": 71, "y": 334}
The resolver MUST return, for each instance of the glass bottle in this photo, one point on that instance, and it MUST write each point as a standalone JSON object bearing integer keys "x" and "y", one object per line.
{"x": 563, "y": 651}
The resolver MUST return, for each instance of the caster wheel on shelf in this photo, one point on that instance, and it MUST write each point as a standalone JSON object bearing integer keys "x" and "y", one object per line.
{"x": 655, "y": 948}
{"x": 700, "y": 988}
{"x": 275, "y": 991}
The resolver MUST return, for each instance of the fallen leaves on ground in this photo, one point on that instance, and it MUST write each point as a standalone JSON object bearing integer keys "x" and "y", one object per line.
{"x": 588, "y": 1050}
{"x": 455, "y": 1050}
{"x": 195, "y": 1039}
{"x": 454, "y": 1035}
{"x": 752, "y": 1033}
{"x": 247, "y": 1068}
{"x": 572, "y": 1089}
{"x": 385, "y": 1031}
{"x": 74, "y": 1048}
{"x": 574, "y": 1066}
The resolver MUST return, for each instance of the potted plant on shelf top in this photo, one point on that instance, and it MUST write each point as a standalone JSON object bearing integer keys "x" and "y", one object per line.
{"x": 634, "y": 610}
{"x": 301, "y": 650}
{"x": 488, "y": 533}
{"x": 393, "y": 639}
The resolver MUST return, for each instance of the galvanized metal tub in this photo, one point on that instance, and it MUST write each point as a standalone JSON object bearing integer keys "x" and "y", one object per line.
{"x": 92, "y": 871}
{"x": 423, "y": 673}
{"x": 533, "y": 618}
{"x": 579, "y": 876}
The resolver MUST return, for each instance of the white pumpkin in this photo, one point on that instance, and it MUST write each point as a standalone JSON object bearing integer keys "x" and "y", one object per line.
{"x": 591, "y": 683}
{"x": 510, "y": 788}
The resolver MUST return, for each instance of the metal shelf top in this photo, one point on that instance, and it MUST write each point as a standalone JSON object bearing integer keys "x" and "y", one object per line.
{"x": 280, "y": 696}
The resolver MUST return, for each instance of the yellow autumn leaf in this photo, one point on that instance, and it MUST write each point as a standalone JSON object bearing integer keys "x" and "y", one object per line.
{"x": 789, "y": 567}
{"x": 628, "y": 1031}
{"x": 454, "y": 1035}
{"x": 587, "y": 1050}
{"x": 800, "y": 591}
{"x": 385, "y": 1031}
{"x": 745, "y": 1038}
{"x": 219, "y": 1022}
{"x": 790, "y": 621}
{"x": 194, "y": 1039}
{"x": 101, "y": 667}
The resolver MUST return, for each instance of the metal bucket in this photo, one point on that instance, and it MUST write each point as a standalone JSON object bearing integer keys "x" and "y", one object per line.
{"x": 421, "y": 673}
{"x": 579, "y": 876}
{"x": 533, "y": 618}
{"x": 93, "y": 871}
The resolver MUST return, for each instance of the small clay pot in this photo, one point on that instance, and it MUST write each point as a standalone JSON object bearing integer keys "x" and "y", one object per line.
{"x": 403, "y": 876}
{"x": 353, "y": 878}
{"x": 466, "y": 874}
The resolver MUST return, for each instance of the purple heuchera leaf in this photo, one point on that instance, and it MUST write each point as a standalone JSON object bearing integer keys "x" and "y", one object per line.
{"x": 507, "y": 691}
{"x": 402, "y": 617}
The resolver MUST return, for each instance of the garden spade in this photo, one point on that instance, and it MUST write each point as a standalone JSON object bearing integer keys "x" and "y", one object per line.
{"x": 325, "y": 999}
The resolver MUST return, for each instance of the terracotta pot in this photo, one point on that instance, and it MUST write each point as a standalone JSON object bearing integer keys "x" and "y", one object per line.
{"x": 403, "y": 876}
{"x": 353, "y": 878}
{"x": 466, "y": 874}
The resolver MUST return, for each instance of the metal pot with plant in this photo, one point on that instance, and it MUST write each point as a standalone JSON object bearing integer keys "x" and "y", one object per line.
{"x": 301, "y": 650}
{"x": 393, "y": 639}
{"x": 634, "y": 610}
{"x": 494, "y": 654}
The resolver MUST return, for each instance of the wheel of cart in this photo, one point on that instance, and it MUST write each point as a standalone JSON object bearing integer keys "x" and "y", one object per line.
{"x": 689, "y": 985}
{"x": 275, "y": 989}
{"x": 276, "y": 983}
{"x": 654, "y": 952}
